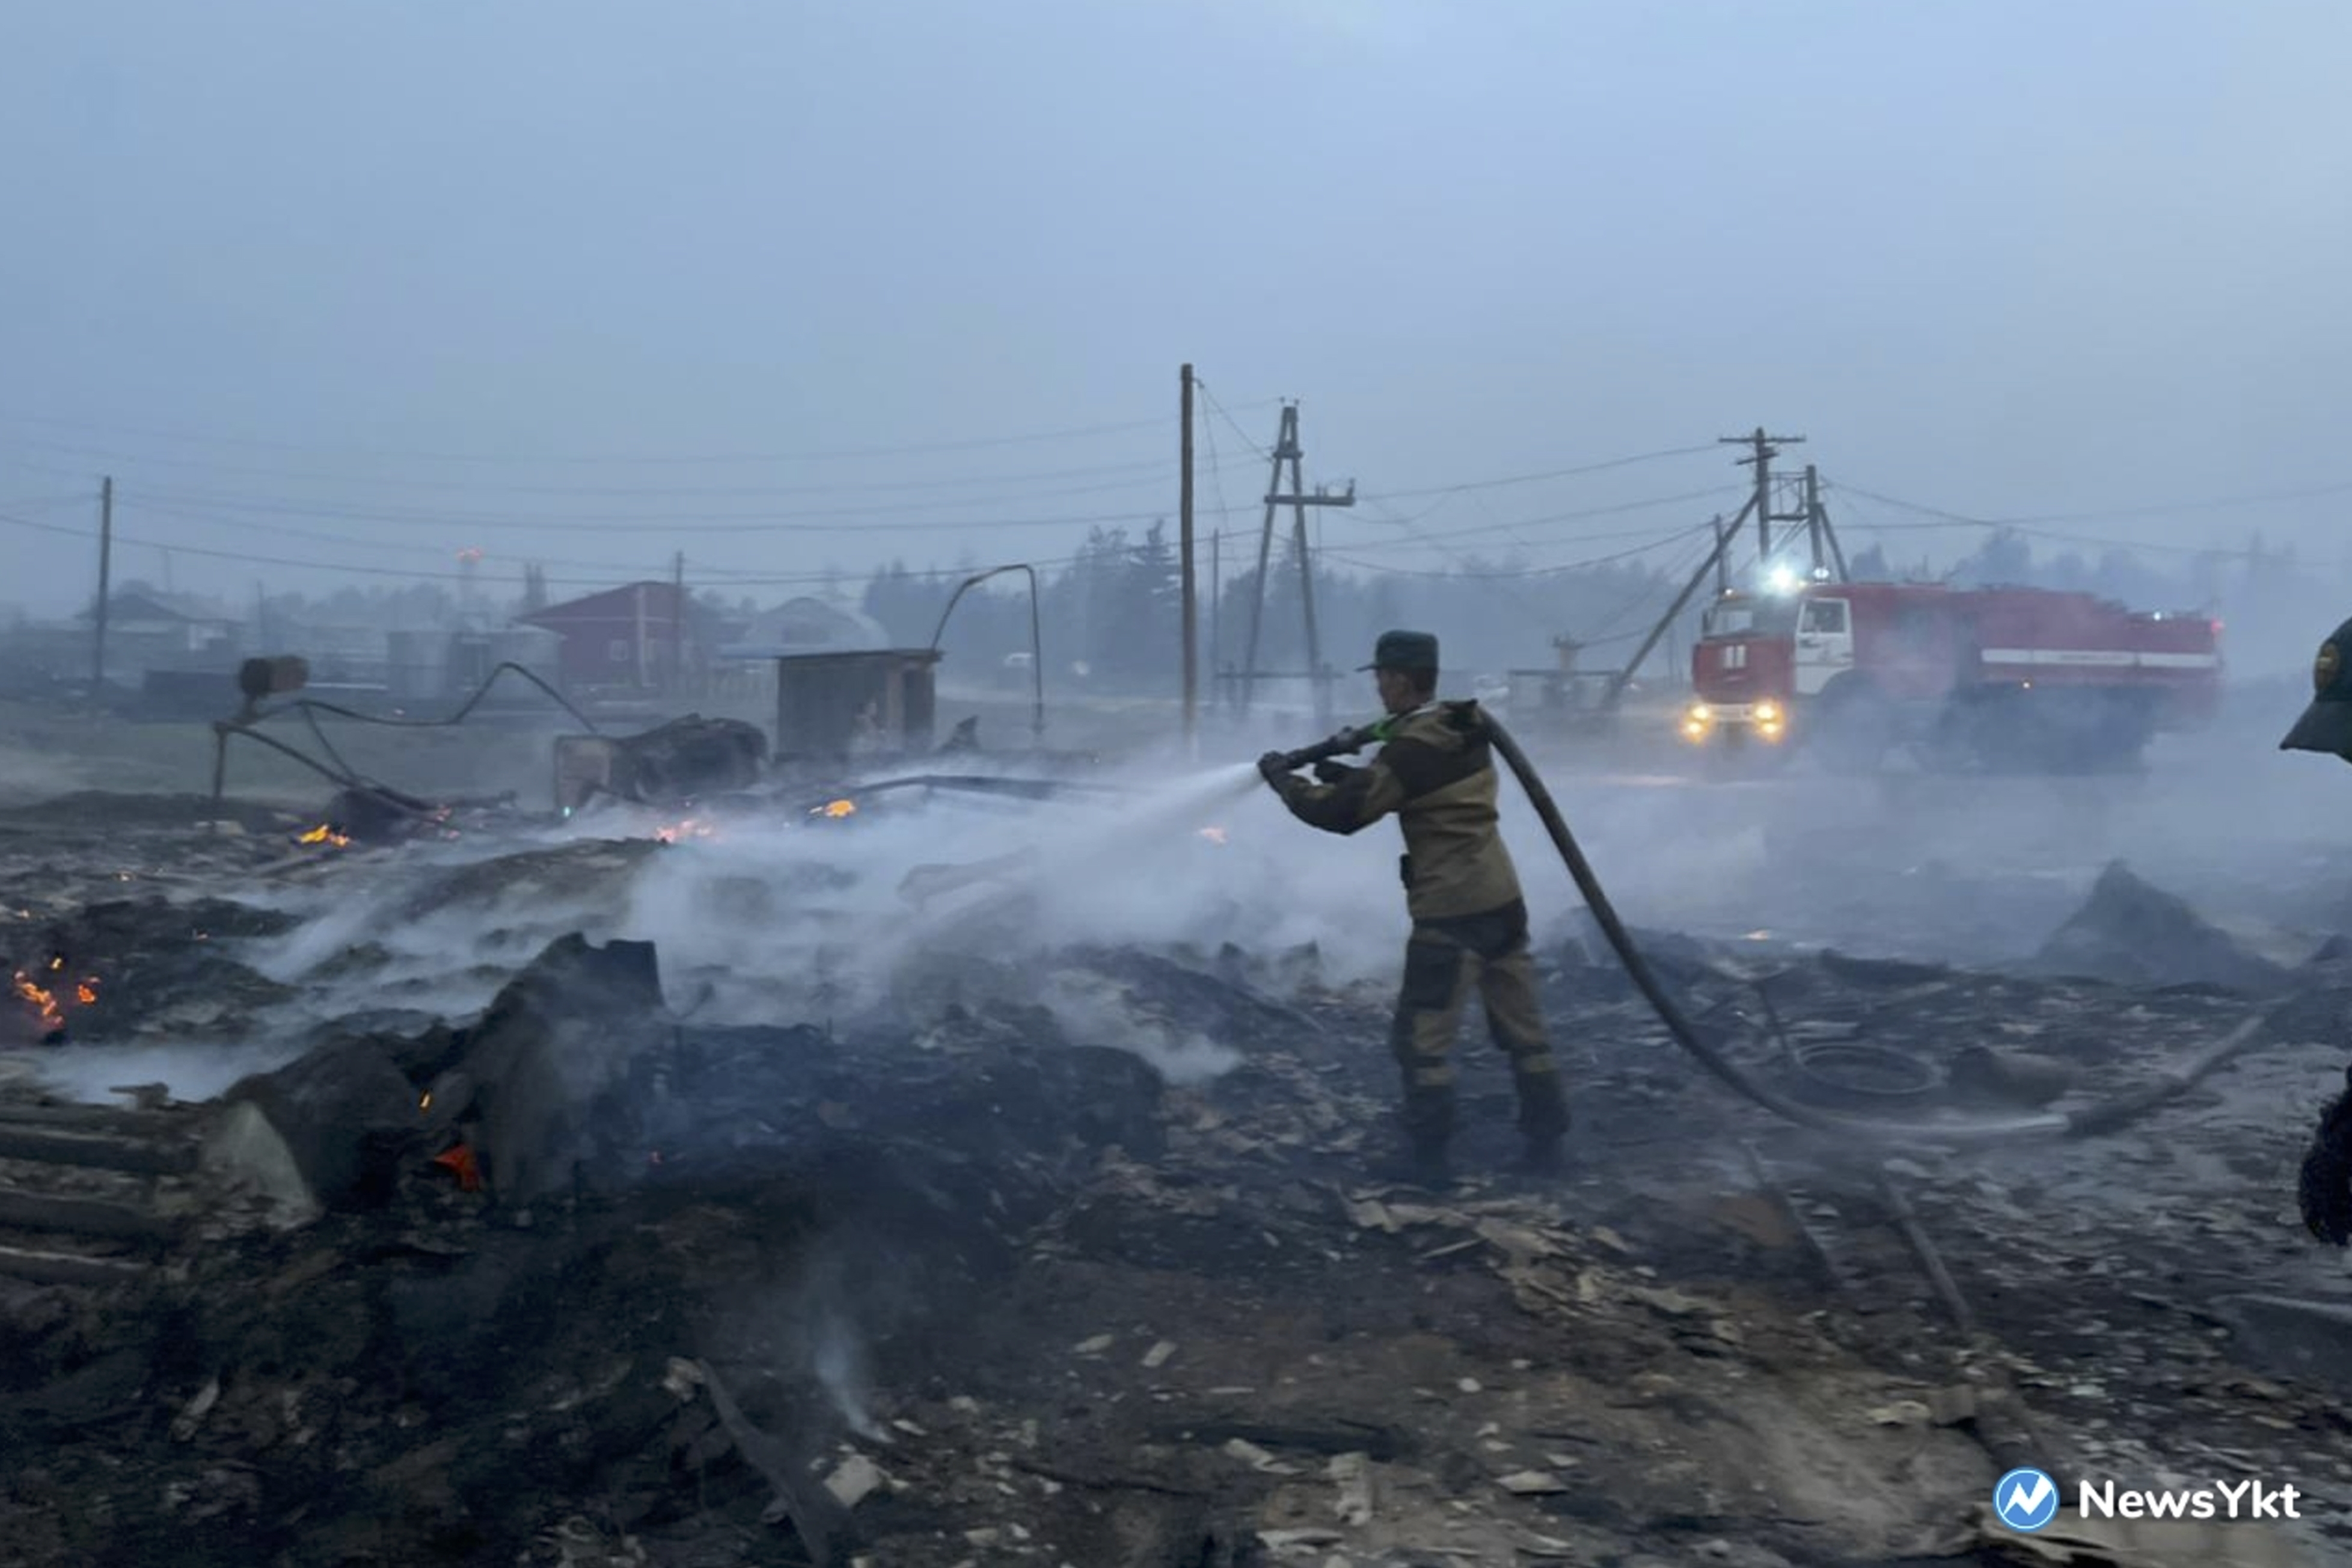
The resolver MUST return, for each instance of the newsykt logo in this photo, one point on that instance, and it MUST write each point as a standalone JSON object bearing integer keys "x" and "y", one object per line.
{"x": 2026, "y": 1501}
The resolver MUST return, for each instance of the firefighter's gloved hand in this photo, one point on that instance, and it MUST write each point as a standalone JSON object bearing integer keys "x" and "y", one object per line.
{"x": 1330, "y": 772}
{"x": 1271, "y": 769}
{"x": 2326, "y": 1189}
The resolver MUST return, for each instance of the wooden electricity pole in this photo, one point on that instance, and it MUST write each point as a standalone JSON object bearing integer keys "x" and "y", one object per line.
{"x": 105, "y": 583}
{"x": 1216, "y": 601}
{"x": 1188, "y": 584}
{"x": 1286, "y": 451}
{"x": 1817, "y": 520}
{"x": 1763, "y": 448}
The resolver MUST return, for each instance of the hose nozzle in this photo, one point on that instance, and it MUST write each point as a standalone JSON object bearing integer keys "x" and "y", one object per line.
{"x": 1345, "y": 743}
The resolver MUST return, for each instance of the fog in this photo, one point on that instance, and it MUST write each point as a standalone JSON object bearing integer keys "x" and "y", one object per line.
{"x": 335, "y": 295}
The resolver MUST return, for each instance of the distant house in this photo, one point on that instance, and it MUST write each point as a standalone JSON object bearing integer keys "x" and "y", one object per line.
{"x": 807, "y": 624}
{"x": 633, "y": 637}
{"x": 150, "y": 630}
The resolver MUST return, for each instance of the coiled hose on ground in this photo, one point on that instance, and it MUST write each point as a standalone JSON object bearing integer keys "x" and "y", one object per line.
{"x": 2088, "y": 1120}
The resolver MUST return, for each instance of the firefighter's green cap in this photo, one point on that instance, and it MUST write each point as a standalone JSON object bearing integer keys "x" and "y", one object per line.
{"x": 2326, "y": 723}
{"x": 1416, "y": 653}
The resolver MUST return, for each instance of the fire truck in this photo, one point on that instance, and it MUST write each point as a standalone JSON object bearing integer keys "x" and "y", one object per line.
{"x": 1855, "y": 672}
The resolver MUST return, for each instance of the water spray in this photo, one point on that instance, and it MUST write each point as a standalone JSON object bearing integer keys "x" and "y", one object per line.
{"x": 2087, "y": 1121}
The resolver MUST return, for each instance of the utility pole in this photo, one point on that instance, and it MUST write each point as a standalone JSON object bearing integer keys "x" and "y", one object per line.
{"x": 1722, "y": 563}
{"x": 1823, "y": 532}
{"x": 1216, "y": 599}
{"x": 1189, "y": 586}
{"x": 678, "y": 623}
{"x": 1762, "y": 449}
{"x": 1813, "y": 516}
{"x": 1286, "y": 451}
{"x": 105, "y": 584}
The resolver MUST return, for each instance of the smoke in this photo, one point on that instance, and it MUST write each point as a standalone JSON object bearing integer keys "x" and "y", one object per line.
{"x": 883, "y": 916}
{"x": 837, "y": 1361}
{"x": 97, "y": 1075}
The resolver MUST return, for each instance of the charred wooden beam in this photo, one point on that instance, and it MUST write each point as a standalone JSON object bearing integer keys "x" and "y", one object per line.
{"x": 98, "y": 1150}
{"x": 67, "y": 1268}
{"x": 82, "y": 1217}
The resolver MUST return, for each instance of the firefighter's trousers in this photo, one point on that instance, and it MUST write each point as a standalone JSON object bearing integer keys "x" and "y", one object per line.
{"x": 1443, "y": 959}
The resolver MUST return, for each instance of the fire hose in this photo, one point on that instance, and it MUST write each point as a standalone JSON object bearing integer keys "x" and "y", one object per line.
{"x": 2086, "y": 1121}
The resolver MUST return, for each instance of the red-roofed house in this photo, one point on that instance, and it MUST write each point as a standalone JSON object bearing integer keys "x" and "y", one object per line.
{"x": 631, "y": 637}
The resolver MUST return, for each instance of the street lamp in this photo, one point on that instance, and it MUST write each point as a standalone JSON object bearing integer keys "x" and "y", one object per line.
{"x": 1037, "y": 647}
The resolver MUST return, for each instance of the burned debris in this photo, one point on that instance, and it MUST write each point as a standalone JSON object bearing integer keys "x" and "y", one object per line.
{"x": 2134, "y": 934}
{"x": 708, "y": 1181}
{"x": 584, "y": 1275}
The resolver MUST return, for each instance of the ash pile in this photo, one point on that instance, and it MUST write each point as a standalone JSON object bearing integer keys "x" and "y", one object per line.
{"x": 705, "y": 1194}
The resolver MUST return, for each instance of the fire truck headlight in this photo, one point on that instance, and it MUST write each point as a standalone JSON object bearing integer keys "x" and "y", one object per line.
{"x": 1783, "y": 580}
{"x": 1700, "y": 713}
{"x": 1768, "y": 713}
{"x": 1769, "y": 727}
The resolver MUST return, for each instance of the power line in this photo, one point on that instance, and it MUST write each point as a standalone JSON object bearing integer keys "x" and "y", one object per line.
{"x": 1263, "y": 455}
{"x": 345, "y": 541}
{"x": 1150, "y": 467}
{"x": 229, "y": 511}
{"x": 842, "y": 454}
{"x": 2109, "y": 514}
{"x": 670, "y": 522}
{"x": 1437, "y": 542}
{"x": 1515, "y": 574}
{"x": 1949, "y": 520}
{"x": 711, "y": 577}
{"x": 1437, "y": 538}
{"x": 1681, "y": 569}
{"x": 1601, "y": 466}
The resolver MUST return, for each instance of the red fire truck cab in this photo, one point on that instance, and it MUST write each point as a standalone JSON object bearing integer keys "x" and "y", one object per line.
{"x": 1965, "y": 676}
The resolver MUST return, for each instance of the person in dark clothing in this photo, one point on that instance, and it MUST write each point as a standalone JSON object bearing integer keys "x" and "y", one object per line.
{"x": 2324, "y": 1189}
{"x": 1436, "y": 774}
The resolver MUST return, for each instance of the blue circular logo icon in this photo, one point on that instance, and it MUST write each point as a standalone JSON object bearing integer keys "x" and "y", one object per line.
{"x": 2026, "y": 1501}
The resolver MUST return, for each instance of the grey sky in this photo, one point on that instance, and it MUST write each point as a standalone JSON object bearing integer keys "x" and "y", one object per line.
{"x": 2000, "y": 258}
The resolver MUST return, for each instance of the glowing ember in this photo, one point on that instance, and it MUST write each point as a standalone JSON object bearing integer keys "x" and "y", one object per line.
{"x": 325, "y": 834}
{"x": 460, "y": 1163}
{"x": 692, "y": 827}
{"x": 835, "y": 809}
{"x": 50, "y": 998}
{"x": 1213, "y": 835}
{"x": 52, "y": 1018}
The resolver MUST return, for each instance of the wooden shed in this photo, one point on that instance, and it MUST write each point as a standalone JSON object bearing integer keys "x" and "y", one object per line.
{"x": 833, "y": 706}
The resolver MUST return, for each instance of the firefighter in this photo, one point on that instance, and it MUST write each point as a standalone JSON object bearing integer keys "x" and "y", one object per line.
{"x": 2325, "y": 1191}
{"x": 1436, "y": 773}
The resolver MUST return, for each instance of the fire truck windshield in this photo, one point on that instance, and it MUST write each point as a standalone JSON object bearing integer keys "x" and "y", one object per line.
{"x": 1751, "y": 618}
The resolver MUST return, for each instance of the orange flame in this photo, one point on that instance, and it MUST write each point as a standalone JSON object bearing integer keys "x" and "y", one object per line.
{"x": 460, "y": 1163}
{"x": 87, "y": 991}
{"x": 52, "y": 1017}
{"x": 325, "y": 834}
{"x": 835, "y": 809}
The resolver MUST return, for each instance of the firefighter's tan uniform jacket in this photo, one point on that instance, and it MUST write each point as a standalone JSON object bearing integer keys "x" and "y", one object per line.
{"x": 1436, "y": 773}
